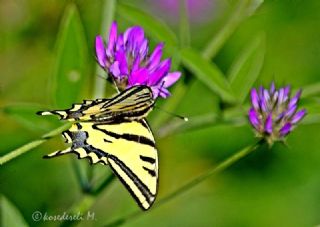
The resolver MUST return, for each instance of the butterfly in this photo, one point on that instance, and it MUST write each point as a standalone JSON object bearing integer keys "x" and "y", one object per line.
{"x": 115, "y": 132}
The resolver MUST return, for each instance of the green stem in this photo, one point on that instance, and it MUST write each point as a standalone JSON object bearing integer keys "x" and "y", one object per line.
{"x": 232, "y": 116}
{"x": 310, "y": 90}
{"x": 214, "y": 170}
{"x": 225, "y": 32}
{"x": 81, "y": 176}
{"x": 311, "y": 119}
{"x": 87, "y": 200}
{"x": 89, "y": 176}
{"x": 104, "y": 184}
{"x": 27, "y": 147}
{"x": 184, "y": 28}
{"x": 191, "y": 184}
{"x": 178, "y": 125}
{"x": 80, "y": 207}
{"x": 107, "y": 17}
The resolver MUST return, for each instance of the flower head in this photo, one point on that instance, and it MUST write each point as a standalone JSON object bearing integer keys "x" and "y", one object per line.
{"x": 273, "y": 113}
{"x": 126, "y": 58}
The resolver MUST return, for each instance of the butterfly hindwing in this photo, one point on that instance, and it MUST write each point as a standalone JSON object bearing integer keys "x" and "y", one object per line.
{"x": 128, "y": 147}
{"x": 133, "y": 158}
{"x": 78, "y": 136}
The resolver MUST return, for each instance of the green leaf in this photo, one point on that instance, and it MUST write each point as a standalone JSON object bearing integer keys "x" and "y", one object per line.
{"x": 208, "y": 73}
{"x": 311, "y": 119}
{"x": 311, "y": 90}
{"x": 154, "y": 27}
{"x": 247, "y": 67}
{"x": 25, "y": 114}
{"x": 242, "y": 10}
{"x": 184, "y": 27}
{"x": 107, "y": 16}
{"x": 10, "y": 215}
{"x": 236, "y": 115}
{"x": 69, "y": 73}
{"x": 226, "y": 30}
{"x": 33, "y": 144}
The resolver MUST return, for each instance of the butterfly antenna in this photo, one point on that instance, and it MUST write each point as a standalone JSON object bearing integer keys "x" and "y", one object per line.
{"x": 170, "y": 113}
{"x": 110, "y": 77}
{"x": 159, "y": 91}
{"x": 173, "y": 114}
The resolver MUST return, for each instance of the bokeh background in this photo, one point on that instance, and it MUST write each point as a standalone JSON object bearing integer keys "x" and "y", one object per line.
{"x": 278, "y": 39}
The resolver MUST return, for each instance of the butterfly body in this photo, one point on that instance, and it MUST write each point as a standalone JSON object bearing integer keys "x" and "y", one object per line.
{"x": 114, "y": 132}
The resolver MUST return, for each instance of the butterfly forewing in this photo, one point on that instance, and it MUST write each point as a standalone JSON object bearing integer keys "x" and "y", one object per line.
{"x": 132, "y": 104}
{"x": 123, "y": 140}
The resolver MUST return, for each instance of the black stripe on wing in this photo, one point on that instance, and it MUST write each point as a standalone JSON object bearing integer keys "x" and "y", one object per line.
{"x": 140, "y": 103}
{"x": 147, "y": 159}
{"x": 145, "y": 124}
{"x": 132, "y": 104}
{"x": 126, "y": 136}
{"x": 126, "y": 94}
{"x": 133, "y": 115}
{"x": 140, "y": 185}
{"x": 152, "y": 172}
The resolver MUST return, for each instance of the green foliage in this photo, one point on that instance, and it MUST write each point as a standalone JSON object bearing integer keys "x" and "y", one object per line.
{"x": 71, "y": 61}
{"x": 108, "y": 9}
{"x": 25, "y": 115}
{"x": 226, "y": 30}
{"x": 208, "y": 73}
{"x": 236, "y": 56}
{"x": 10, "y": 215}
{"x": 184, "y": 26}
{"x": 311, "y": 90}
{"x": 154, "y": 27}
{"x": 247, "y": 67}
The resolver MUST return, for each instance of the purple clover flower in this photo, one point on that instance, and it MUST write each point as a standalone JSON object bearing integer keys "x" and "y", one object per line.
{"x": 126, "y": 58}
{"x": 273, "y": 113}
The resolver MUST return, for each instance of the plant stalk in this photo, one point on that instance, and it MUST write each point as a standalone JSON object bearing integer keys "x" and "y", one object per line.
{"x": 27, "y": 147}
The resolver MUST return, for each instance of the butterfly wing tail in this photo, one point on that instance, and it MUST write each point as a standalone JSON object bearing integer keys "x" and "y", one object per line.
{"x": 81, "y": 153}
{"x": 58, "y": 153}
{"x": 42, "y": 113}
{"x": 61, "y": 113}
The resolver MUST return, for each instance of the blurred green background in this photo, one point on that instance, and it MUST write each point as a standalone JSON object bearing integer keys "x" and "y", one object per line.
{"x": 271, "y": 187}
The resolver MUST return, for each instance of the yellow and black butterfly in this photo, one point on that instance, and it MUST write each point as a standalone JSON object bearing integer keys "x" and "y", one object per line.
{"x": 114, "y": 131}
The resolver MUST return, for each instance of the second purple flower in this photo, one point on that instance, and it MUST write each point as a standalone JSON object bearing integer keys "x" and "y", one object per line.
{"x": 126, "y": 58}
{"x": 273, "y": 113}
